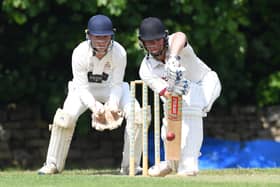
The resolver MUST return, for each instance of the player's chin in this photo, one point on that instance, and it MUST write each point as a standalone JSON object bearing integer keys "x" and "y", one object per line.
{"x": 102, "y": 49}
{"x": 154, "y": 51}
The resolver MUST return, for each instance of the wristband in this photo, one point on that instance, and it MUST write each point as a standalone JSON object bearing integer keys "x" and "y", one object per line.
{"x": 162, "y": 92}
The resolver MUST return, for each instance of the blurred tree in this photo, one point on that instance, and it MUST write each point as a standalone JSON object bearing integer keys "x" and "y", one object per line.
{"x": 262, "y": 57}
{"x": 268, "y": 90}
{"x": 237, "y": 38}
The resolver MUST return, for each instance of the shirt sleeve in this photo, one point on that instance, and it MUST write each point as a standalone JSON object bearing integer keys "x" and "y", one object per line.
{"x": 196, "y": 69}
{"x": 154, "y": 80}
{"x": 119, "y": 64}
{"x": 79, "y": 69}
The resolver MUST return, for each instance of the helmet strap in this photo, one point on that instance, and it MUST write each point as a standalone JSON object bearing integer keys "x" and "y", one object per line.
{"x": 158, "y": 54}
{"x": 96, "y": 51}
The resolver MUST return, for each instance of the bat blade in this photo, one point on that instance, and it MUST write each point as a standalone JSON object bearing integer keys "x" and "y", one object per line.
{"x": 174, "y": 124}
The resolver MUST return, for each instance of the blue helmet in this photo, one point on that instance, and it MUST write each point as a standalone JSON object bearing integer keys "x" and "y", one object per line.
{"x": 100, "y": 25}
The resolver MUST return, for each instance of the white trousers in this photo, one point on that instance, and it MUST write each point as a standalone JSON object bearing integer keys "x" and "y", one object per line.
{"x": 74, "y": 107}
{"x": 196, "y": 104}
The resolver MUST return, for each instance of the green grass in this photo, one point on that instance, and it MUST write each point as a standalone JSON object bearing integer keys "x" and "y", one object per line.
{"x": 110, "y": 178}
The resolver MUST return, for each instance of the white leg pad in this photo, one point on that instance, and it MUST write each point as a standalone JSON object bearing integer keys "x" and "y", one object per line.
{"x": 137, "y": 139}
{"x": 63, "y": 119}
{"x": 61, "y": 135}
{"x": 59, "y": 146}
{"x": 192, "y": 136}
{"x": 137, "y": 135}
{"x": 137, "y": 147}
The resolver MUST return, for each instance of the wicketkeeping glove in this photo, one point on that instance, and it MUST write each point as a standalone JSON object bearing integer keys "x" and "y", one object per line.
{"x": 110, "y": 119}
{"x": 97, "y": 108}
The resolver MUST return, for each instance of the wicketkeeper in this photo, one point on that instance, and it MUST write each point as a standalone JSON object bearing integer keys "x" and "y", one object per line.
{"x": 98, "y": 66}
{"x": 171, "y": 66}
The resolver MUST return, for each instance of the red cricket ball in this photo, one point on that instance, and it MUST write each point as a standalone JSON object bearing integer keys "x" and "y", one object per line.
{"x": 170, "y": 136}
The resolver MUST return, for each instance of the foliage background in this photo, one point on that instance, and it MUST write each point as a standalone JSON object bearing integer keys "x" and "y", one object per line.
{"x": 237, "y": 38}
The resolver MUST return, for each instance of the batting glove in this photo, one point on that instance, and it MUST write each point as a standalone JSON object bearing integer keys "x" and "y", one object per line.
{"x": 173, "y": 69}
{"x": 182, "y": 88}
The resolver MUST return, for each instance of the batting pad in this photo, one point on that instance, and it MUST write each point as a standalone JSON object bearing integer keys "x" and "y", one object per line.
{"x": 137, "y": 146}
{"x": 59, "y": 146}
{"x": 63, "y": 119}
{"x": 61, "y": 135}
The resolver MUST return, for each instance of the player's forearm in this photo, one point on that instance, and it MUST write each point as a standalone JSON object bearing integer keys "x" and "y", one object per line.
{"x": 156, "y": 83}
{"x": 116, "y": 93}
{"x": 116, "y": 84}
{"x": 177, "y": 43}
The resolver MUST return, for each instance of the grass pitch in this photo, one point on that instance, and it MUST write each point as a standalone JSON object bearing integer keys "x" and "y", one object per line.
{"x": 110, "y": 178}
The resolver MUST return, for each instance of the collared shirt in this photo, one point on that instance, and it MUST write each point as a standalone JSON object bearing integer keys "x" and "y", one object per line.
{"x": 152, "y": 71}
{"x": 109, "y": 70}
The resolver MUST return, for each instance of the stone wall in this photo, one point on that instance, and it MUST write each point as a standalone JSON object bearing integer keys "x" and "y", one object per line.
{"x": 244, "y": 123}
{"x": 24, "y": 139}
{"x": 24, "y": 136}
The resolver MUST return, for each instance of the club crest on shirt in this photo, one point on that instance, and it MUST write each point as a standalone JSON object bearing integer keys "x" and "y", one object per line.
{"x": 107, "y": 66}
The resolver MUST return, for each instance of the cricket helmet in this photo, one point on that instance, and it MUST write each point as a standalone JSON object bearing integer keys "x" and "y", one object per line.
{"x": 152, "y": 28}
{"x": 100, "y": 25}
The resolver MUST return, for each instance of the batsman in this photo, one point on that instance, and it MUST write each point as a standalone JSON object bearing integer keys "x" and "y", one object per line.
{"x": 98, "y": 67}
{"x": 185, "y": 83}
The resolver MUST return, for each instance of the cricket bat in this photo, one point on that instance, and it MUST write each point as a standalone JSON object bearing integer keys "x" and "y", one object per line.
{"x": 174, "y": 126}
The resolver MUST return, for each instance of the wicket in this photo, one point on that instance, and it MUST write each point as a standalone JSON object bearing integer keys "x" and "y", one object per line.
{"x": 145, "y": 125}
